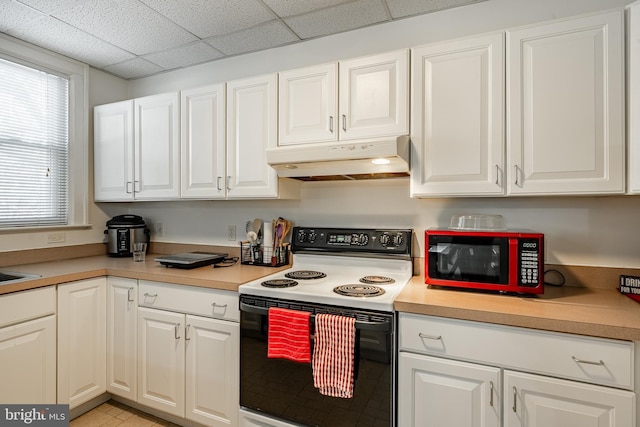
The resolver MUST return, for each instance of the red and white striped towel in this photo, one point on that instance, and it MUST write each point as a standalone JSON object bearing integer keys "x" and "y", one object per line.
{"x": 289, "y": 335}
{"x": 333, "y": 355}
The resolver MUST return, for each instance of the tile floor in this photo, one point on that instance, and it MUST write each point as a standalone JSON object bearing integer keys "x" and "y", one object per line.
{"x": 112, "y": 413}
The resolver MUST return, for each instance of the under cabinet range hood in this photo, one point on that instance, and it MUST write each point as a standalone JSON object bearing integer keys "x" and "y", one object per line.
{"x": 358, "y": 159}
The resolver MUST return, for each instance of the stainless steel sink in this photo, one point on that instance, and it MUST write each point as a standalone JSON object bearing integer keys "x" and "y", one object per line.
{"x": 8, "y": 277}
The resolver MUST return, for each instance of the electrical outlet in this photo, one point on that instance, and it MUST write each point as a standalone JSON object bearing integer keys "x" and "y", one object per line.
{"x": 159, "y": 229}
{"x": 231, "y": 232}
{"x": 55, "y": 238}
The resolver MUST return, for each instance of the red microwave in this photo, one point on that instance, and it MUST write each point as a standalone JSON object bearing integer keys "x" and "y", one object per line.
{"x": 507, "y": 261}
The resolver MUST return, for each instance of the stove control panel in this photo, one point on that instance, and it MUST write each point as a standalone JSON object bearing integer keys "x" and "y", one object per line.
{"x": 362, "y": 241}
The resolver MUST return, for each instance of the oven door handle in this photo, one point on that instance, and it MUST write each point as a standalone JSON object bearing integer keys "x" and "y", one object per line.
{"x": 360, "y": 324}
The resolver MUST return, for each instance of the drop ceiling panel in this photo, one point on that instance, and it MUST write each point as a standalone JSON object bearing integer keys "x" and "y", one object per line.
{"x": 54, "y": 35}
{"x": 206, "y": 18}
{"x": 128, "y": 24}
{"x": 344, "y": 17}
{"x": 263, "y": 37}
{"x": 139, "y": 38}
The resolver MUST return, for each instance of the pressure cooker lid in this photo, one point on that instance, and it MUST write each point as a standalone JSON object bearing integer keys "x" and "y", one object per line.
{"x": 132, "y": 221}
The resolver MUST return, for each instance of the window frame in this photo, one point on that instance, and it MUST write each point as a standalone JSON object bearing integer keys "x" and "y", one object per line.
{"x": 78, "y": 75}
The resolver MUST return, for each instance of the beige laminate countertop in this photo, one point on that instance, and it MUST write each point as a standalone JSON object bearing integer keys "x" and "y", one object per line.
{"x": 56, "y": 272}
{"x": 586, "y": 311}
{"x": 579, "y": 310}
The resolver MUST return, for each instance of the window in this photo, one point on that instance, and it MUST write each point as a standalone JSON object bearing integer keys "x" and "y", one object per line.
{"x": 34, "y": 142}
{"x": 43, "y": 138}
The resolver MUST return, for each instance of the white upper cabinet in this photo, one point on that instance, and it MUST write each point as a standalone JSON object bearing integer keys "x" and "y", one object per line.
{"x": 565, "y": 103}
{"x": 113, "y": 151}
{"x": 252, "y": 126}
{"x": 136, "y": 149}
{"x": 156, "y": 149}
{"x": 308, "y": 105}
{"x": 354, "y": 99}
{"x": 374, "y": 95}
{"x": 457, "y": 118}
{"x": 633, "y": 74}
{"x": 203, "y": 142}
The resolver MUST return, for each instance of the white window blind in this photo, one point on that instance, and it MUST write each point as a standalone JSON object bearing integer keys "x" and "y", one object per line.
{"x": 34, "y": 147}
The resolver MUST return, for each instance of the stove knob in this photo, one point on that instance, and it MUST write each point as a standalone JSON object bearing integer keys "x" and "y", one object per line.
{"x": 312, "y": 237}
{"x": 301, "y": 236}
{"x": 385, "y": 239}
{"x": 364, "y": 239}
{"x": 398, "y": 240}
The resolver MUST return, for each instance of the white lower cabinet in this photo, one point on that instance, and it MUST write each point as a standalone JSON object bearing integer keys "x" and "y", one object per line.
{"x": 81, "y": 341}
{"x": 467, "y": 394}
{"x": 449, "y": 373}
{"x": 122, "y": 308}
{"x": 28, "y": 347}
{"x": 188, "y": 365}
{"x": 538, "y": 401}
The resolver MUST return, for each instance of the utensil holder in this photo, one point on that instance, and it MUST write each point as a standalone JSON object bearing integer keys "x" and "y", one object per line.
{"x": 264, "y": 256}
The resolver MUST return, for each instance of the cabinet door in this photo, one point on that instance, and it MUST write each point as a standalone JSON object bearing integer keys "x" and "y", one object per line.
{"x": 212, "y": 371}
{"x": 457, "y": 118}
{"x": 28, "y": 362}
{"x": 537, "y": 401}
{"x": 82, "y": 350}
{"x": 122, "y": 337}
{"x": 442, "y": 392}
{"x": 308, "y": 105}
{"x": 157, "y": 153}
{"x": 113, "y": 151}
{"x": 202, "y": 142}
{"x": 252, "y": 127}
{"x": 374, "y": 96}
{"x": 161, "y": 360}
{"x": 633, "y": 82}
{"x": 566, "y": 107}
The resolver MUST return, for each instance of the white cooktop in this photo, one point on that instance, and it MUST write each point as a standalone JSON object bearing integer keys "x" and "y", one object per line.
{"x": 339, "y": 270}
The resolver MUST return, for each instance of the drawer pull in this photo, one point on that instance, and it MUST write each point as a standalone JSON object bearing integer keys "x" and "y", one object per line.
{"x": 130, "y": 295}
{"x": 186, "y": 333}
{"x": 148, "y": 295}
{"x": 216, "y": 305}
{"x": 491, "y": 395}
{"x": 175, "y": 331}
{"x": 588, "y": 362}
{"x": 515, "y": 397}
{"x": 430, "y": 337}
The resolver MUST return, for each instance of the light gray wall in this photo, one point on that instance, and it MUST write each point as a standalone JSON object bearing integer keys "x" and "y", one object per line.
{"x": 600, "y": 231}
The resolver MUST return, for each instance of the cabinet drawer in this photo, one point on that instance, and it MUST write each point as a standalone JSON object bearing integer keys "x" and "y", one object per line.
{"x": 594, "y": 360}
{"x": 189, "y": 299}
{"x": 27, "y": 305}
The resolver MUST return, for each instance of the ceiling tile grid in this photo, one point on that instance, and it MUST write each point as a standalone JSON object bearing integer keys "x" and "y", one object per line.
{"x": 139, "y": 38}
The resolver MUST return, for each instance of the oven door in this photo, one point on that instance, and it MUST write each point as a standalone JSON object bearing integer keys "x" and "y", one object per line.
{"x": 284, "y": 389}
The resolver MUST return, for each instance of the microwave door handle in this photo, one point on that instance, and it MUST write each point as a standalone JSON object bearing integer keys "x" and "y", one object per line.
{"x": 513, "y": 262}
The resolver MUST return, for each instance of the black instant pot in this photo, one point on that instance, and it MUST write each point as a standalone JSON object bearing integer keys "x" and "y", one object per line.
{"x": 122, "y": 232}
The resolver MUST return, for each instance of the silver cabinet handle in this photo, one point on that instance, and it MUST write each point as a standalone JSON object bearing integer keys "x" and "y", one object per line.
{"x": 344, "y": 122}
{"x": 331, "y": 124}
{"x": 515, "y": 167}
{"x": 186, "y": 333}
{"x": 491, "y": 395}
{"x": 127, "y": 187}
{"x": 218, "y": 183}
{"x": 148, "y": 295}
{"x": 129, "y": 295}
{"x": 588, "y": 362}
{"x": 430, "y": 337}
{"x": 497, "y": 175}
{"x": 218, "y": 305}
{"x": 228, "y": 181}
{"x": 136, "y": 186}
{"x": 175, "y": 331}
{"x": 515, "y": 397}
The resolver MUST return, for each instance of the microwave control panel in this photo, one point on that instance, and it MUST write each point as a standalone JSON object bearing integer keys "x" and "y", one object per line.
{"x": 529, "y": 262}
